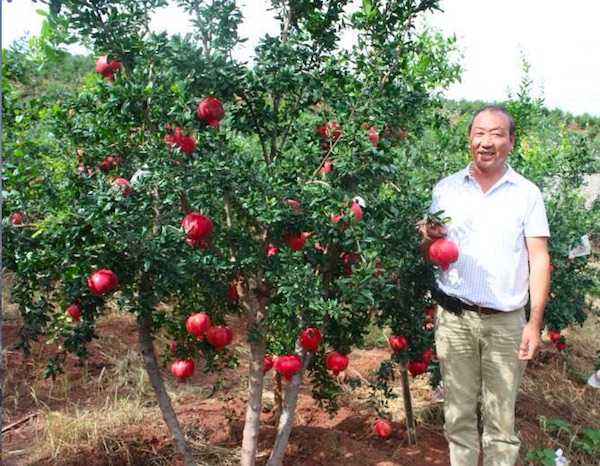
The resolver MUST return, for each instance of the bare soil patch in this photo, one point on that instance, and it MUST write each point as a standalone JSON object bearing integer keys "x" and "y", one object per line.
{"x": 211, "y": 409}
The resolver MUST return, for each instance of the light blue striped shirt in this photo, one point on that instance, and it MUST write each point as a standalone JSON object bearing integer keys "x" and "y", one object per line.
{"x": 492, "y": 269}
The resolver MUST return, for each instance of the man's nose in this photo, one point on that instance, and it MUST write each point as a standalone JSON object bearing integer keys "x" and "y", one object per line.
{"x": 486, "y": 140}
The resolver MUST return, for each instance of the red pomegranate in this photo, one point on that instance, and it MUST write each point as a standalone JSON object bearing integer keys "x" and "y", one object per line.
{"x": 219, "y": 336}
{"x": 211, "y": 111}
{"x": 180, "y": 139}
{"x": 398, "y": 342}
{"x": 310, "y": 337}
{"x": 107, "y": 68}
{"x": 182, "y": 368}
{"x": 288, "y": 365}
{"x": 416, "y": 367}
{"x": 74, "y": 311}
{"x": 295, "y": 240}
{"x": 272, "y": 250}
{"x": 350, "y": 259}
{"x": 267, "y": 363}
{"x": 383, "y": 428}
{"x": 443, "y": 252}
{"x": 330, "y": 130}
{"x": 197, "y": 324}
{"x": 122, "y": 184}
{"x": 427, "y": 355}
{"x": 336, "y": 361}
{"x": 373, "y": 136}
{"x": 326, "y": 167}
{"x": 16, "y": 218}
{"x": 232, "y": 293}
{"x": 293, "y": 203}
{"x": 197, "y": 226}
{"x": 554, "y": 335}
{"x": 102, "y": 281}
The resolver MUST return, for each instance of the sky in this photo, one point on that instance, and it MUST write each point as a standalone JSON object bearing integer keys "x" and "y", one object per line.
{"x": 560, "y": 41}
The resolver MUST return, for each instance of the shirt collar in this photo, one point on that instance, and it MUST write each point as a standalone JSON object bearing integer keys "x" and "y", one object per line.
{"x": 508, "y": 176}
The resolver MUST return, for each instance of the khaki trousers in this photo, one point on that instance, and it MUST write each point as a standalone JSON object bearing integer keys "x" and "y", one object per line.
{"x": 478, "y": 358}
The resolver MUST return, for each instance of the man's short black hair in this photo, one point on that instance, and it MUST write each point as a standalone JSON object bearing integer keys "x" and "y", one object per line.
{"x": 495, "y": 108}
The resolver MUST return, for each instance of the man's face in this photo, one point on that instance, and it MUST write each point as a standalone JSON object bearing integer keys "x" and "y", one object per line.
{"x": 490, "y": 141}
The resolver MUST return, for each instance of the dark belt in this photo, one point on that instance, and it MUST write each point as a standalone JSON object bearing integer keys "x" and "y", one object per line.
{"x": 456, "y": 306}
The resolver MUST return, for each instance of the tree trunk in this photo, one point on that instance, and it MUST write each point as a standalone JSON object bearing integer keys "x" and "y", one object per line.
{"x": 410, "y": 418}
{"x": 254, "y": 405}
{"x": 286, "y": 418}
{"x": 277, "y": 398}
{"x": 152, "y": 368}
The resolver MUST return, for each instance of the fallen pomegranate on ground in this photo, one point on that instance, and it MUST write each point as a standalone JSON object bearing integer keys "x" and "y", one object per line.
{"x": 383, "y": 428}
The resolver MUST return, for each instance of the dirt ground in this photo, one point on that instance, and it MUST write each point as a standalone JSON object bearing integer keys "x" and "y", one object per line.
{"x": 213, "y": 418}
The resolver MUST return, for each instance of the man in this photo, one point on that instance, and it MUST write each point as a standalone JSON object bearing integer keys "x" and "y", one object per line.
{"x": 483, "y": 341}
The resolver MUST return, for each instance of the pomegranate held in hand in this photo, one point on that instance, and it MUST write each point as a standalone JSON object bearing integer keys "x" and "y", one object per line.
{"x": 182, "y": 368}
{"x": 288, "y": 365}
{"x": 219, "y": 336}
{"x": 102, "y": 281}
{"x": 336, "y": 361}
{"x": 383, "y": 428}
{"x": 443, "y": 252}
{"x": 310, "y": 337}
